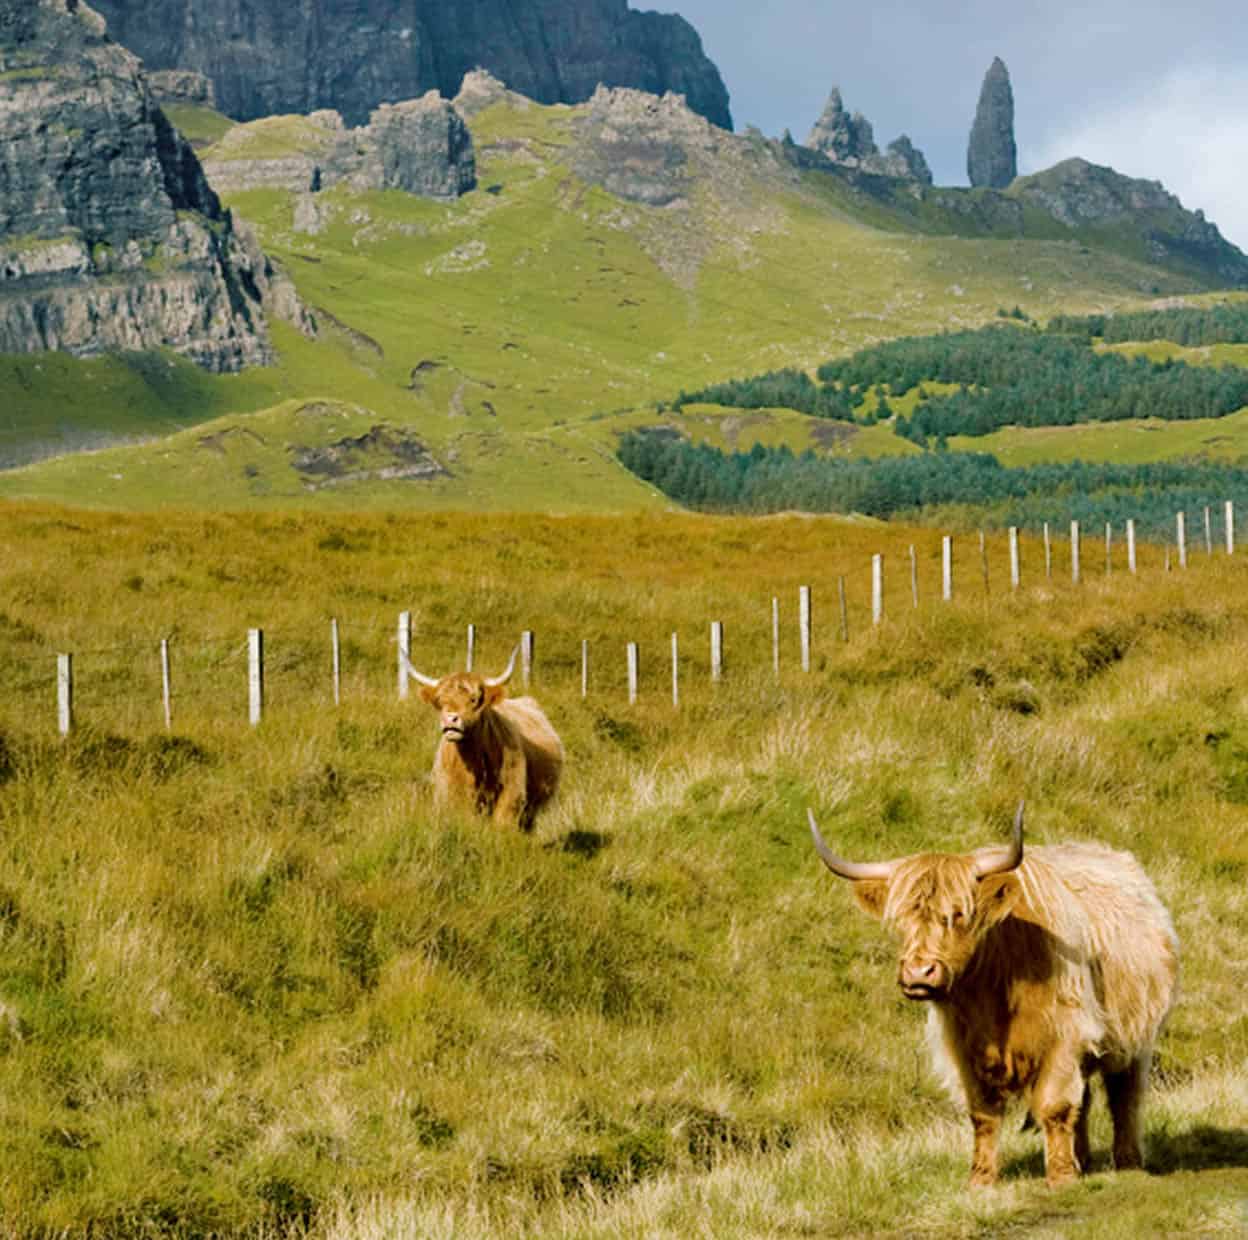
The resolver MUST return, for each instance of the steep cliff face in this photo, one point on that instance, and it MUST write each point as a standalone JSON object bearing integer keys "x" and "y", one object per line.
{"x": 271, "y": 56}
{"x": 110, "y": 237}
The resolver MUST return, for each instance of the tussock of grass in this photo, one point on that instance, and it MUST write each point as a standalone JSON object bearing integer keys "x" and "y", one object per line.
{"x": 252, "y": 984}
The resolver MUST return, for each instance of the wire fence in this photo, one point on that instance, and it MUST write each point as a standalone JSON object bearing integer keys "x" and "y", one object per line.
{"x": 238, "y": 669}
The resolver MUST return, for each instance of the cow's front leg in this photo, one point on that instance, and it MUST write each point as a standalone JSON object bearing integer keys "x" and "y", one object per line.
{"x": 986, "y": 1114}
{"x": 509, "y": 809}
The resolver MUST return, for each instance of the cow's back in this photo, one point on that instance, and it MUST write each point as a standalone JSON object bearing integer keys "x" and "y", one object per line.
{"x": 1102, "y": 905}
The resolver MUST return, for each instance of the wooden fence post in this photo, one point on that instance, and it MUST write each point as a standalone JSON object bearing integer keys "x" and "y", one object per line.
{"x": 675, "y": 671}
{"x": 946, "y": 567}
{"x": 526, "y": 656}
{"x": 983, "y": 559}
{"x": 914, "y": 575}
{"x": 632, "y": 672}
{"x": 877, "y": 589}
{"x": 1109, "y": 542}
{"x": 1180, "y": 534}
{"x": 717, "y": 650}
{"x": 65, "y": 693}
{"x": 405, "y": 651}
{"x": 1048, "y": 552}
{"x": 335, "y": 648}
{"x": 472, "y": 647}
{"x": 1208, "y": 532}
{"x": 1074, "y": 552}
{"x": 584, "y": 668}
{"x": 803, "y": 624}
{"x": 775, "y": 637}
{"x": 166, "y": 690}
{"x": 255, "y": 675}
{"x": 1228, "y": 521}
{"x": 1015, "y": 568}
{"x": 1131, "y": 543}
{"x": 840, "y": 589}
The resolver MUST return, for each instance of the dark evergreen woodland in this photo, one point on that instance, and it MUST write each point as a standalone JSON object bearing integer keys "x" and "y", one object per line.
{"x": 776, "y": 479}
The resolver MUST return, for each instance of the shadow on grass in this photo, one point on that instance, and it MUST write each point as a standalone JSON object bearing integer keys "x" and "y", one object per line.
{"x": 585, "y": 844}
{"x": 1203, "y": 1148}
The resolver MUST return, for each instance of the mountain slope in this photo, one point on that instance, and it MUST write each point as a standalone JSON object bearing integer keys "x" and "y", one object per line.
{"x": 613, "y": 253}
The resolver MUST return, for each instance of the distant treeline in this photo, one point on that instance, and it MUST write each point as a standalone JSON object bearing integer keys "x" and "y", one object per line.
{"x": 778, "y": 389}
{"x": 1225, "y": 323}
{"x": 1016, "y": 376}
{"x": 777, "y": 479}
{"x": 1007, "y": 375}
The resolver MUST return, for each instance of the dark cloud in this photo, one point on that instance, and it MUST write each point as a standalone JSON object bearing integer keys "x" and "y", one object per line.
{"x": 1152, "y": 89}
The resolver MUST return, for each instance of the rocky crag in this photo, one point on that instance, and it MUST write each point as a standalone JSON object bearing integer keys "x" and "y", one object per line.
{"x": 271, "y": 56}
{"x": 110, "y": 236}
{"x": 848, "y": 141}
{"x": 1093, "y": 199}
{"x": 991, "y": 156}
{"x": 421, "y": 146}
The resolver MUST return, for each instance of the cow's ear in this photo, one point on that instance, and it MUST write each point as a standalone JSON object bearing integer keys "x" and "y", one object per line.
{"x": 495, "y": 694}
{"x": 430, "y": 694}
{"x": 998, "y": 896}
{"x": 871, "y": 894}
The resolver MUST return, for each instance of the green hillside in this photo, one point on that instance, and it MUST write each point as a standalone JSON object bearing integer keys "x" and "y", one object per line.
{"x": 514, "y": 332}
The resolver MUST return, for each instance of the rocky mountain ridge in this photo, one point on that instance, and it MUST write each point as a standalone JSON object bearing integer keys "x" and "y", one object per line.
{"x": 269, "y": 56}
{"x": 110, "y": 236}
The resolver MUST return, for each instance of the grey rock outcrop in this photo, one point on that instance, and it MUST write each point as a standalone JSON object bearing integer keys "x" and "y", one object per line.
{"x": 848, "y": 141}
{"x": 182, "y": 86}
{"x": 991, "y": 156}
{"x": 845, "y": 139}
{"x": 110, "y": 236}
{"x": 904, "y": 160}
{"x": 421, "y": 146}
{"x": 640, "y": 147}
{"x": 271, "y": 56}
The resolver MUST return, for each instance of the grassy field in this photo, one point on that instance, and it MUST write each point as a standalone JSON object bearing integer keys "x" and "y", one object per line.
{"x": 516, "y": 331}
{"x": 251, "y": 984}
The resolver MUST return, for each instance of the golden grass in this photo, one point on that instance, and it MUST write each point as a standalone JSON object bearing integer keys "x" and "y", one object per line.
{"x": 250, "y": 983}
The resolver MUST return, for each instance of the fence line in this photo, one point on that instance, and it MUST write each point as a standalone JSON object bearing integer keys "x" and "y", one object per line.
{"x": 255, "y": 642}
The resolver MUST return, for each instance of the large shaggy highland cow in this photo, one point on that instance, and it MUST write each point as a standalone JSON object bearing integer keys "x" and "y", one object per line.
{"x": 1040, "y": 971}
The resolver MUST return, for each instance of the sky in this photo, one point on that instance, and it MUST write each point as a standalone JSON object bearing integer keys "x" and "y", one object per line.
{"x": 1154, "y": 90}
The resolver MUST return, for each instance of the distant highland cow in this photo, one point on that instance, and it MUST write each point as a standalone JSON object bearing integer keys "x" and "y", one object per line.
{"x": 499, "y": 756}
{"x": 1040, "y": 972}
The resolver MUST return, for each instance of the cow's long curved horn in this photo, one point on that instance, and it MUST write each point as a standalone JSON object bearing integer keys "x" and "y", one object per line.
{"x": 855, "y": 870}
{"x": 494, "y": 681}
{"x": 414, "y": 674}
{"x": 1007, "y": 857}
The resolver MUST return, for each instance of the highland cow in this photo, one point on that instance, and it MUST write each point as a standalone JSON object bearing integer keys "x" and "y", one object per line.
{"x": 497, "y": 755}
{"x": 1039, "y": 971}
